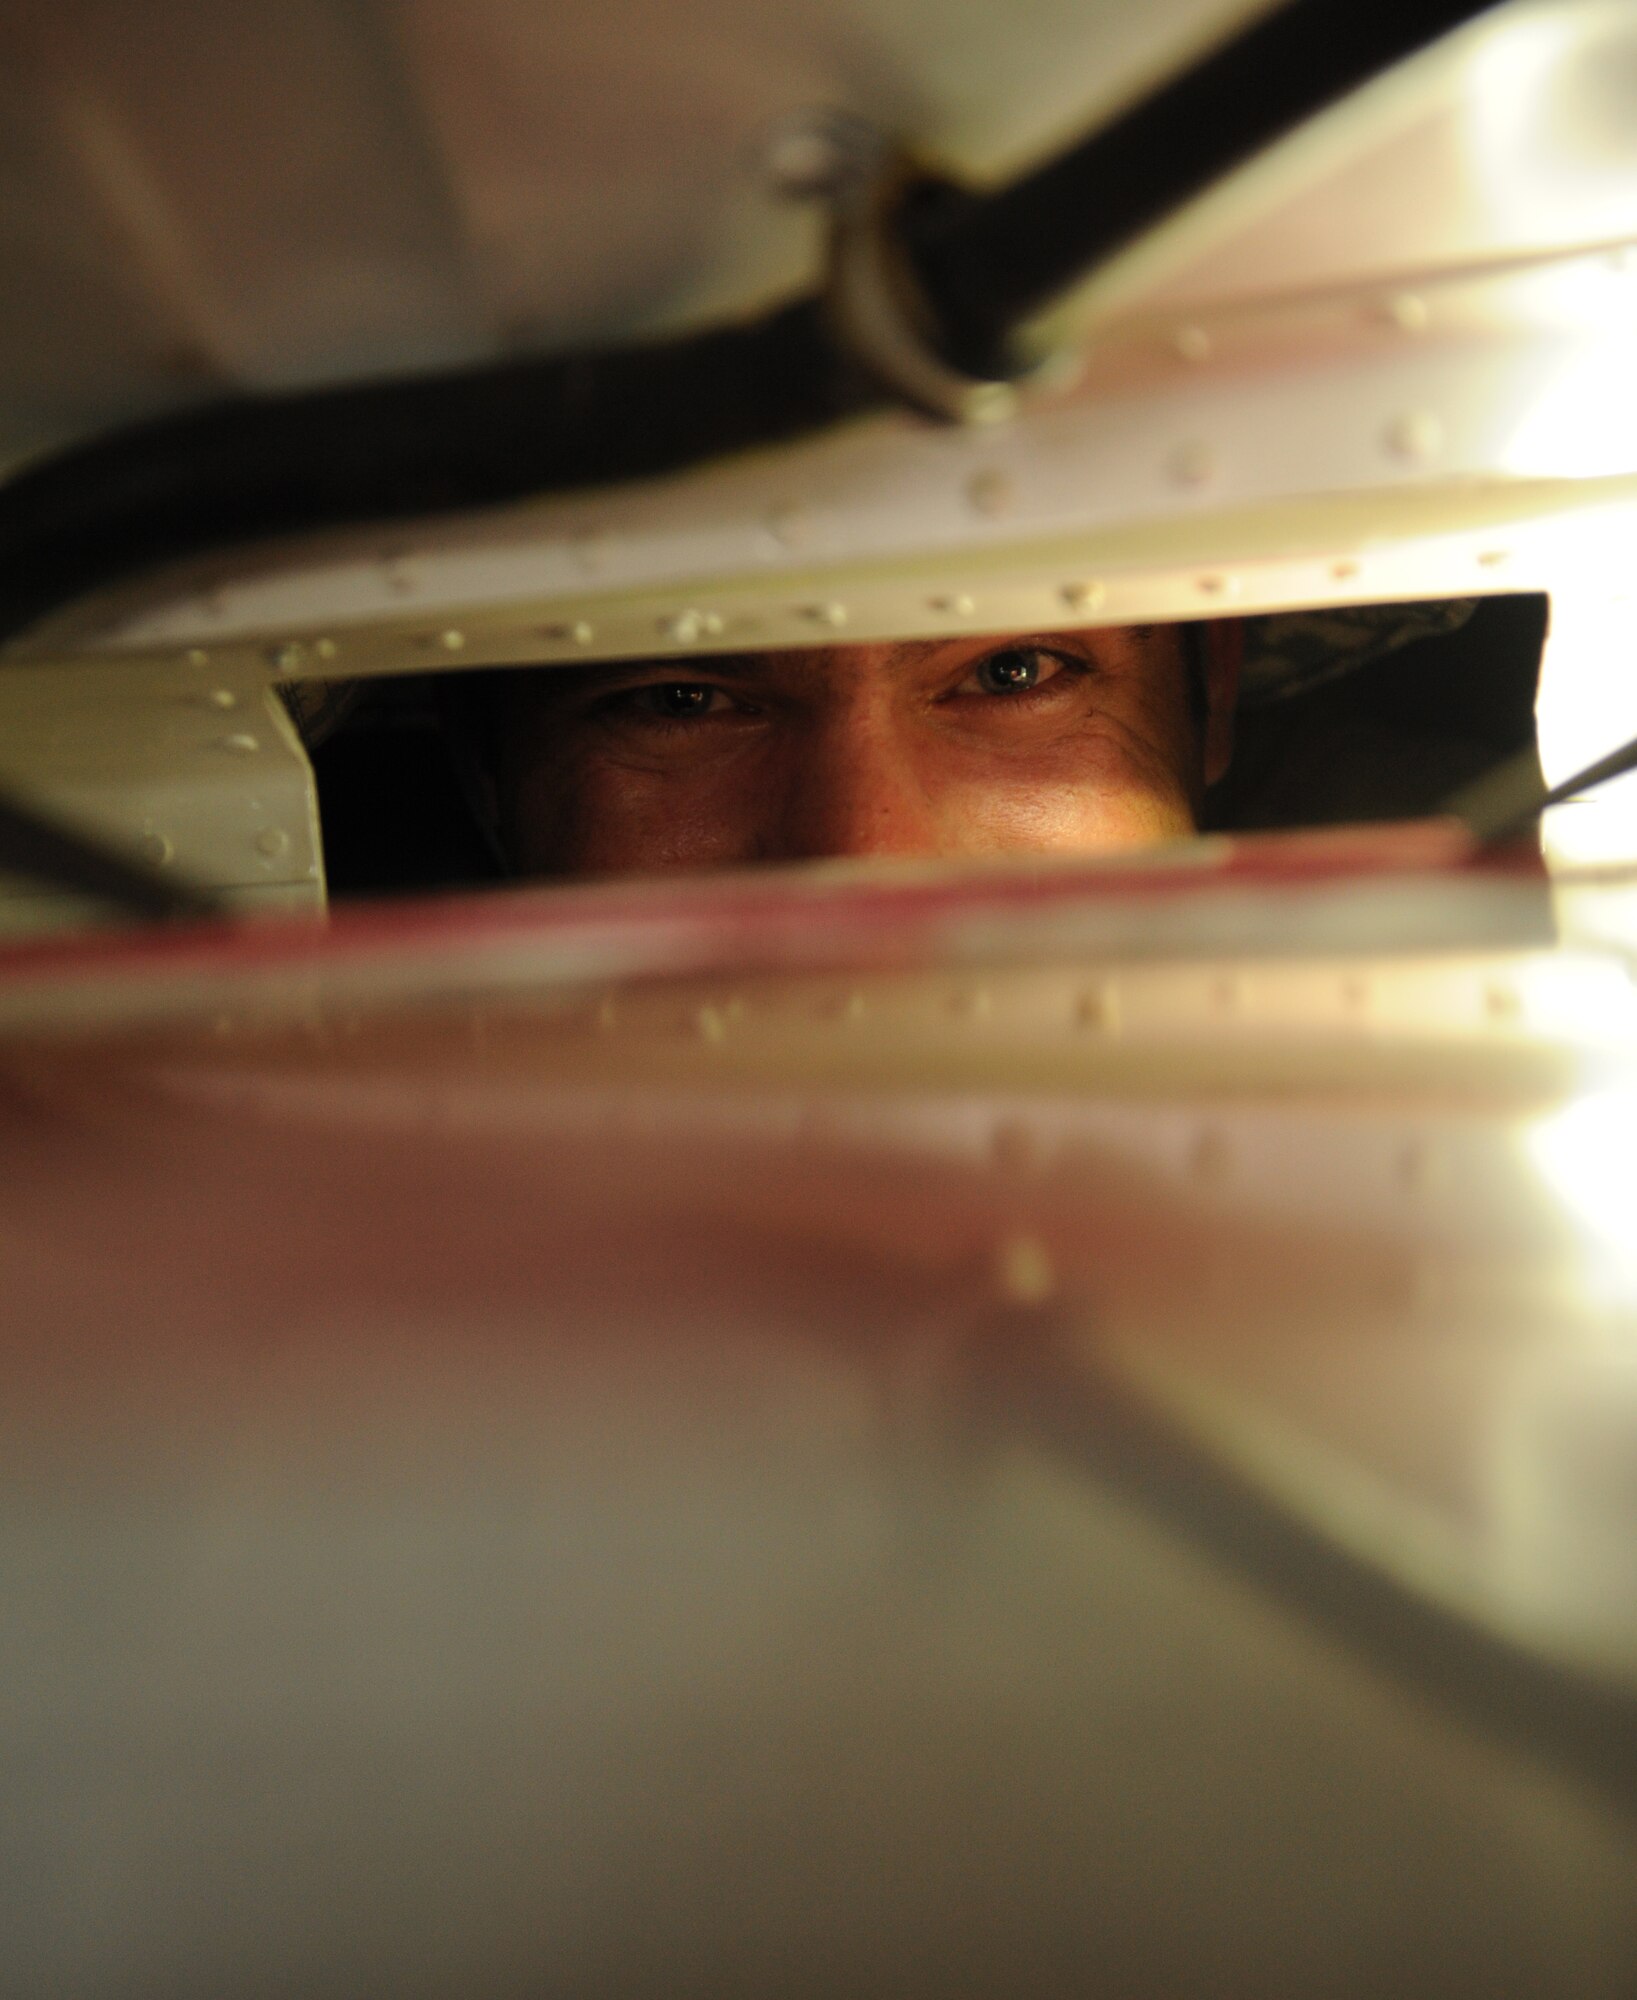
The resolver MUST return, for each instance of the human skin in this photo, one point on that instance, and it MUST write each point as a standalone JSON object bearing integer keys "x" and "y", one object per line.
{"x": 1040, "y": 743}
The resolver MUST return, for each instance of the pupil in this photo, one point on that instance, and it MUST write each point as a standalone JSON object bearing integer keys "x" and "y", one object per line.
{"x": 1008, "y": 673}
{"x": 684, "y": 698}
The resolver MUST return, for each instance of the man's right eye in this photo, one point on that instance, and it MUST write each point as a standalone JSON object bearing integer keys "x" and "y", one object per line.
{"x": 669, "y": 701}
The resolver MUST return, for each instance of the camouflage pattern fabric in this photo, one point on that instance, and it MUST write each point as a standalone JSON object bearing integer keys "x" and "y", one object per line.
{"x": 1288, "y": 652}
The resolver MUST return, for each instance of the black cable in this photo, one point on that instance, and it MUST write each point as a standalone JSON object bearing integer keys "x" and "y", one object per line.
{"x": 1506, "y": 803}
{"x": 255, "y": 467}
{"x": 990, "y": 261}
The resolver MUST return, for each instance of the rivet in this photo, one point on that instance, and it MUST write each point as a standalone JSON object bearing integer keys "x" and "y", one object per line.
{"x": 685, "y": 627}
{"x": 1083, "y": 596}
{"x": 1013, "y": 1147}
{"x": 239, "y": 744}
{"x": 957, "y": 606}
{"x": 1191, "y": 343}
{"x": 1344, "y": 570}
{"x": 790, "y": 525}
{"x": 991, "y": 492}
{"x": 1194, "y": 464}
{"x": 325, "y": 648}
{"x": 710, "y": 1024}
{"x": 580, "y": 633}
{"x": 196, "y": 656}
{"x": 845, "y": 1007}
{"x": 288, "y": 656}
{"x": 590, "y": 548}
{"x": 452, "y": 639}
{"x": 832, "y": 613}
{"x": 1493, "y": 558}
{"x": 712, "y": 624}
{"x": 1416, "y": 435}
{"x": 220, "y": 698}
{"x": 158, "y": 848}
{"x": 1098, "y": 1007}
{"x": 1023, "y": 1270}
{"x": 1501, "y": 1002}
{"x": 1210, "y": 1158}
{"x": 1217, "y": 585}
{"x": 272, "y": 841}
{"x": 1404, "y": 311}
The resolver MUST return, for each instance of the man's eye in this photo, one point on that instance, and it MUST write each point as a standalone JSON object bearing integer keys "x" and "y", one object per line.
{"x": 671, "y": 701}
{"x": 1014, "y": 670}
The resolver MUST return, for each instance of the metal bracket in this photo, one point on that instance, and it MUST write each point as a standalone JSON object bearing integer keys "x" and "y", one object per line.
{"x": 877, "y": 307}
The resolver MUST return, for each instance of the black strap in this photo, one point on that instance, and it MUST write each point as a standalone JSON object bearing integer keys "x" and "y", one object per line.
{"x": 259, "y": 466}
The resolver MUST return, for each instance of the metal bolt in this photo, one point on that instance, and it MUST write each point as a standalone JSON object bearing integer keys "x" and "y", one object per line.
{"x": 452, "y": 639}
{"x": 196, "y": 656}
{"x": 684, "y": 628}
{"x": 790, "y": 525}
{"x": 1194, "y": 464}
{"x": 239, "y": 744}
{"x": 1083, "y": 596}
{"x": 1415, "y": 436}
{"x": 220, "y": 698}
{"x": 831, "y": 613}
{"x": 590, "y": 548}
{"x": 1404, "y": 311}
{"x": 158, "y": 848}
{"x": 845, "y": 1007}
{"x": 288, "y": 656}
{"x": 272, "y": 841}
{"x": 1217, "y": 585}
{"x": 1502, "y": 1003}
{"x": 991, "y": 492}
{"x": 1098, "y": 1007}
{"x": 957, "y": 606}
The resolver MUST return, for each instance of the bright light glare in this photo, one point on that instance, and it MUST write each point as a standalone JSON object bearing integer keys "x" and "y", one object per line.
{"x": 1587, "y": 704}
{"x": 1549, "y": 153}
{"x": 1581, "y": 418}
{"x": 1587, "y": 1155}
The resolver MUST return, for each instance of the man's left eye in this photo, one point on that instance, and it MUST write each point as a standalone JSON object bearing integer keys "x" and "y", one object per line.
{"x": 1013, "y": 670}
